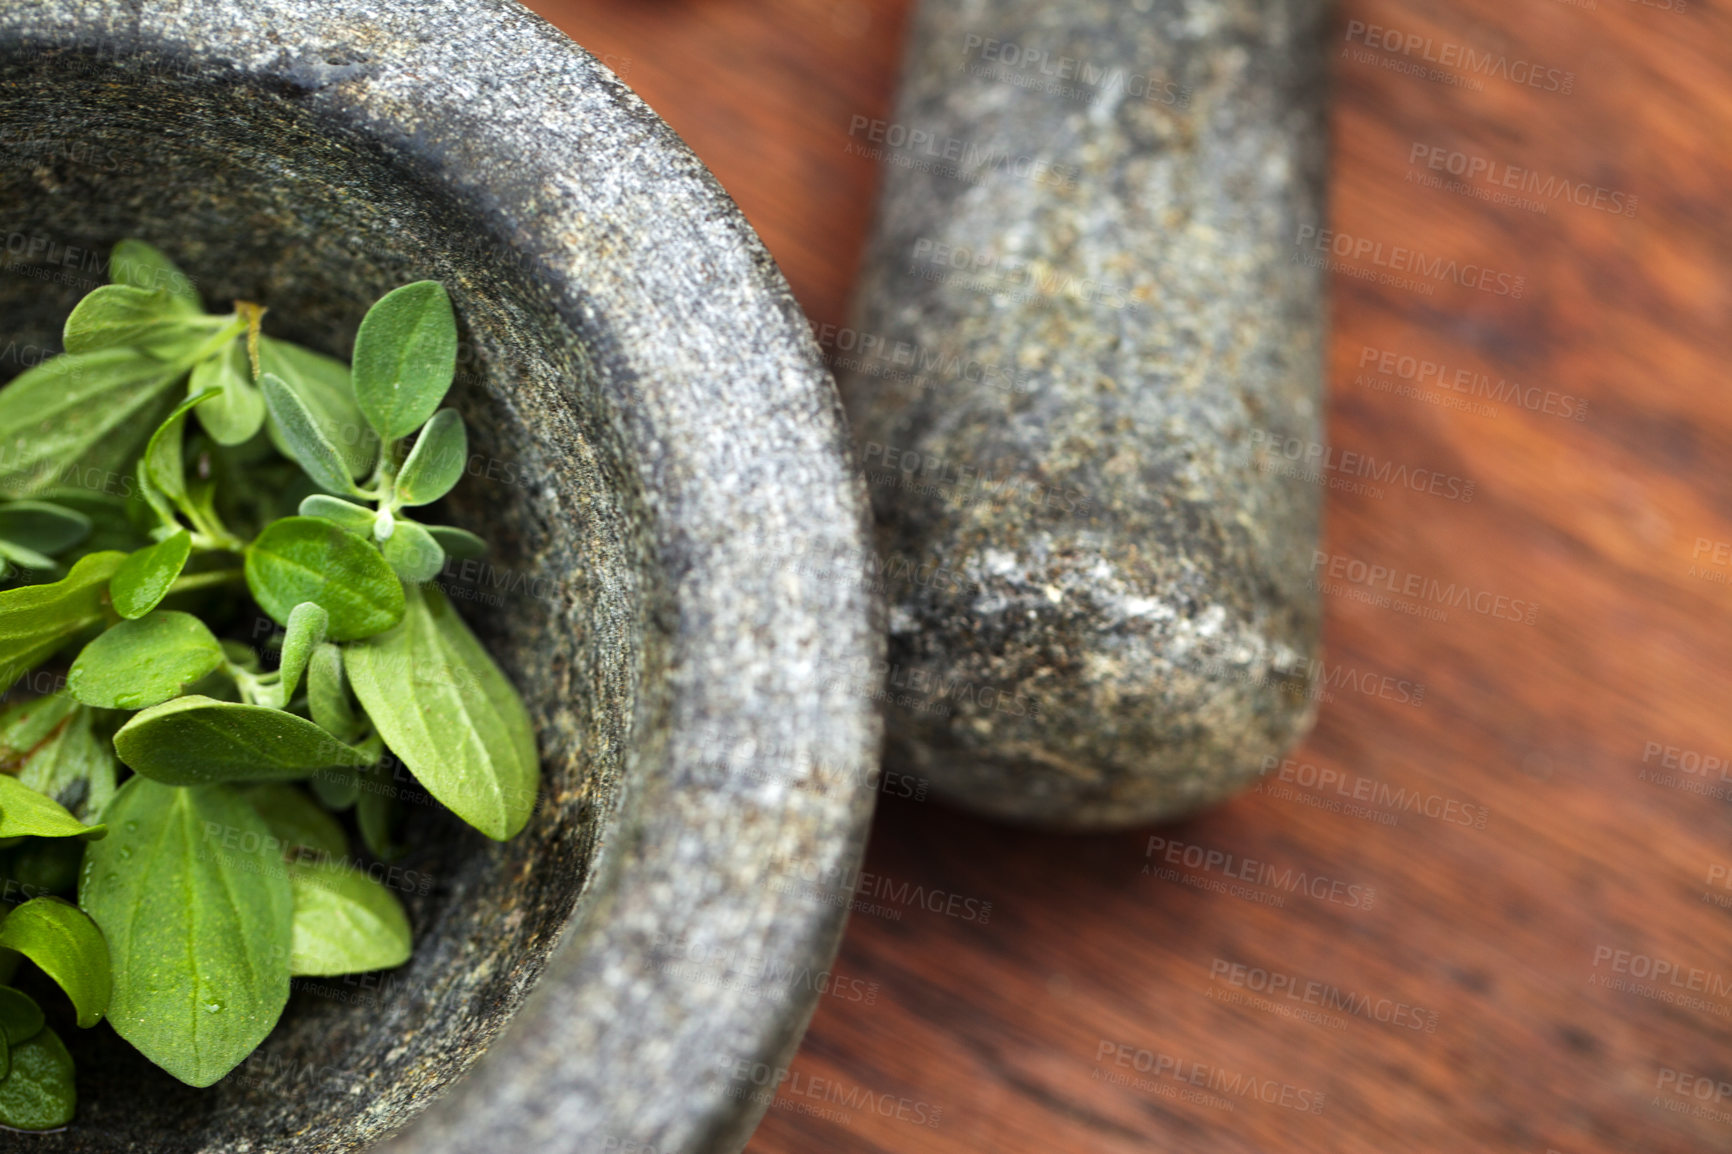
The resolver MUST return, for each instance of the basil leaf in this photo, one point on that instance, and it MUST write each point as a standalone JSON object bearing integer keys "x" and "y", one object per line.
{"x": 413, "y": 552}
{"x": 197, "y": 912}
{"x": 42, "y": 525}
{"x": 137, "y": 664}
{"x": 301, "y": 559}
{"x": 345, "y": 922}
{"x": 61, "y": 939}
{"x": 306, "y": 629}
{"x": 405, "y": 358}
{"x": 322, "y": 384}
{"x": 458, "y": 543}
{"x": 144, "y": 578}
{"x": 74, "y": 415}
{"x": 304, "y": 442}
{"x": 197, "y": 740}
{"x": 36, "y": 620}
{"x": 73, "y": 764}
{"x": 26, "y": 813}
{"x": 39, "y": 1093}
{"x": 444, "y": 707}
{"x": 116, "y": 316}
{"x": 328, "y": 697}
{"x": 295, "y": 821}
{"x": 135, "y": 263}
{"x": 238, "y": 410}
{"x": 20, "y": 1016}
{"x": 435, "y": 465}
{"x": 357, "y": 519}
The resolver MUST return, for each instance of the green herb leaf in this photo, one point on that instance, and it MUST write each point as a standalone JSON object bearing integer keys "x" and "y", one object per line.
{"x": 144, "y": 578}
{"x": 336, "y": 788}
{"x": 379, "y": 813}
{"x": 39, "y": 1093}
{"x": 345, "y": 922}
{"x": 304, "y": 441}
{"x": 42, "y": 526}
{"x": 328, "y": 696}
{"x": 25, "y": 560}
{"x": 20, "y": 1016}
{"x": 458, "y": 543}
{"x": 116, "y": 316}
{"x": 196, "y": 740}
{"x": 295, "y": 821}
{"x": 357, "y": 519}
{"x": 137, "y": 664}
{"x": 405, "y": 358}
{"x": 36, "y": 620}
{"x": 70, "y": 762}
{"x": 322, "y": 384}
{"x": 26, "y": 813}
{"x": 444, "y": 707}
{"x": 301, "y": 559}
{"x": 75, "y": 418}
{"x": 61, "y": 938}
{"x": 436, "y": 462}
{"x": 306, "y": 629}
{"x": 164, "y": 465}
{"x": 143, "y": 266}
{"x": 413, "y": 552}
{"x": 106, "y": 512}
{"x": 25, "y": 725}
{"x": 238, "y": 409}
{"x": 198, "y": 915}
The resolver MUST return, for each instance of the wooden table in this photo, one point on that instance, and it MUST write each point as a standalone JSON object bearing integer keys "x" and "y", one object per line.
{"x": 1546, "y": 959}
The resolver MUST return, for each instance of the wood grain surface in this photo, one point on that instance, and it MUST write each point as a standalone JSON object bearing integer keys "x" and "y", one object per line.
{"x": 1545, "y": 959}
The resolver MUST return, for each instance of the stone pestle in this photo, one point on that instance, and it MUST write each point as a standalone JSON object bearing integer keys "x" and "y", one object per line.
{"x": 1083, "y": 317}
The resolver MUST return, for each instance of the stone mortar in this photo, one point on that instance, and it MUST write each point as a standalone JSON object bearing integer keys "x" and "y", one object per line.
{"x": 653, "y": 434}
{"x": 1081, "y": 311}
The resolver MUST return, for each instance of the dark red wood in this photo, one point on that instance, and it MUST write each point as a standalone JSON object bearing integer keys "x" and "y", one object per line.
{"x": 1593, "y": 865}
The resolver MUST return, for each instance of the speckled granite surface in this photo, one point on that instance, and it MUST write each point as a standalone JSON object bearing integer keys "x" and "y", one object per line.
{"x": 1083, "y": 308}
{"x": 651, "y": 429}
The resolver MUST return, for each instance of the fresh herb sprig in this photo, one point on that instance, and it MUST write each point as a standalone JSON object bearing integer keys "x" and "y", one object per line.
{"x": 181, "y": 792}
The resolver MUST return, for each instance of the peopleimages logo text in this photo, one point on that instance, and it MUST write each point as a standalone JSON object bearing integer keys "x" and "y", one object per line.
{"x": 1261, "y": 873}
{"x": 1399, "y": 258}
{"x": 1340, "y": 567}
{"x": 1452, "y": 55}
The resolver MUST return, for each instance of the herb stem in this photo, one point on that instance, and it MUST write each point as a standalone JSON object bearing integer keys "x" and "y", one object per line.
{"x": 190, "y": 581}
{"x": 214, "y": 344}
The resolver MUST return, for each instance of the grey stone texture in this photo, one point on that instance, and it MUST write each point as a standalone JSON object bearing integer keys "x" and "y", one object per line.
{"x": 653, "y": 436}
{"x": 1082, "y": 309}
